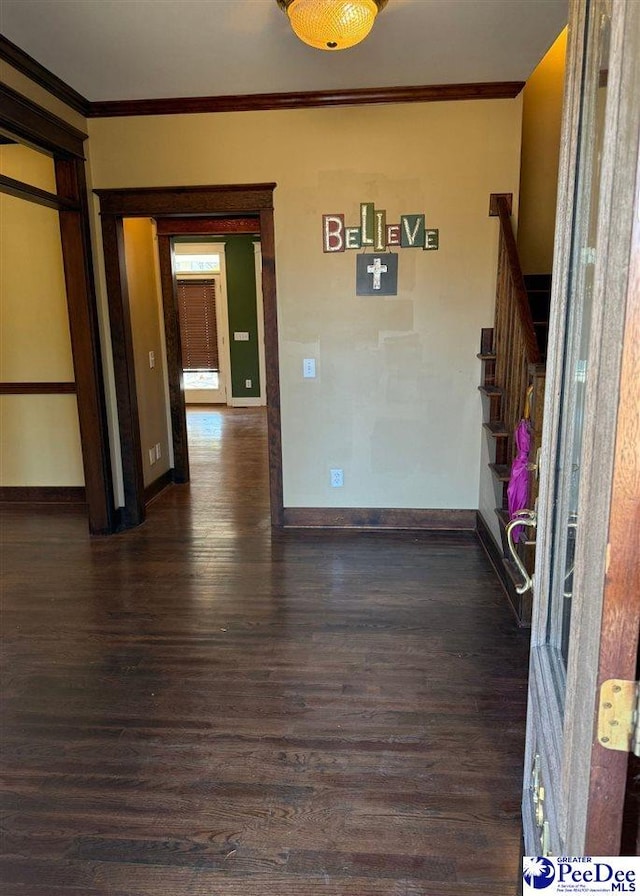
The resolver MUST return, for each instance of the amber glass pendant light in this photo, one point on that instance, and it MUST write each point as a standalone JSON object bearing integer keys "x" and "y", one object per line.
{"x": 332, "y": 24}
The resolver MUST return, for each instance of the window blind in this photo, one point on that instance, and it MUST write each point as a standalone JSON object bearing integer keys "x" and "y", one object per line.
{"x": 198, "y": 325}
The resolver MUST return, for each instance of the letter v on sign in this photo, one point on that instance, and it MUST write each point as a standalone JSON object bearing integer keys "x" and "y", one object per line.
{"x": 412, "y": 231}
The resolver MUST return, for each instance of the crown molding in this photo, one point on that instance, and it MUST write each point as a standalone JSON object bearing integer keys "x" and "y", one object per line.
{"x": 42, "y": 76}
{"x": 254, "y": 102}
{"x": 260, "y": 102}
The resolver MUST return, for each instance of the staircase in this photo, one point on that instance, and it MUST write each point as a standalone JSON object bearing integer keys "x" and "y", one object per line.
{"x": 538, "y": 288}
{"x": 512, "y": 354}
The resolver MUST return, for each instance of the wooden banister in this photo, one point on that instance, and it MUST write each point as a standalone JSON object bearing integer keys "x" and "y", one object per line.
{"x": 518, "y": 289}
{"x": 513, "y": 385}
{"x": 518, "y": 360}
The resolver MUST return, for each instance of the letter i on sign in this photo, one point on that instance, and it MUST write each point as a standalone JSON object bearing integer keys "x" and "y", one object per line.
{"x": 380, "y": 239}
{"x": 367, "y": 212}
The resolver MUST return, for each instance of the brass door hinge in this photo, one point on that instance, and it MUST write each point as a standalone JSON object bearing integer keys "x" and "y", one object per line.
{"x": 618, "y": 716}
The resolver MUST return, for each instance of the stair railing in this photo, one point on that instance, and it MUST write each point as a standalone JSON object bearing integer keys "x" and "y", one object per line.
{"x": 518, "y": 358}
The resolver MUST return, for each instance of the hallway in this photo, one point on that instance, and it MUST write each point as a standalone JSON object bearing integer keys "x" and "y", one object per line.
{"x": 204, "y": 707}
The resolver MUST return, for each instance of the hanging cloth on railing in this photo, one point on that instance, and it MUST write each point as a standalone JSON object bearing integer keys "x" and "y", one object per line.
{"x": 518, "y": 488}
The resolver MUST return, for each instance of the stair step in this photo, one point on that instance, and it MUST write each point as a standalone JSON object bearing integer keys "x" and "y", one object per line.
{"x": 538, "y": 282}
{"x": 491, "y": 391}
{"x": 538, "y": 288}
{"x": 486, "y": 340}
{"x": 501, "y": 471}
{"x": 497, "y": 429}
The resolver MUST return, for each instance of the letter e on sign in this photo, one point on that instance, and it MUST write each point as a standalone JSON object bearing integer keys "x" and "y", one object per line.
{"x": 393, "y": 234}
{"x": 352, "y": 237}
{"x": 432, "y": 239}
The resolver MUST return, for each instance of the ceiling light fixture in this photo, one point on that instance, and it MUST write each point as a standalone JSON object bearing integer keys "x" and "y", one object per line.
{"x": 332, "y": 24}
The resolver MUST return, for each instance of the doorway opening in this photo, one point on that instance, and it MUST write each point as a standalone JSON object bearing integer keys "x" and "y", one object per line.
{"x": 201, "y": 286}
{"x": 199, "y": 335}
{"x": 199, "y": 281}
{"x": 196, "y": 208}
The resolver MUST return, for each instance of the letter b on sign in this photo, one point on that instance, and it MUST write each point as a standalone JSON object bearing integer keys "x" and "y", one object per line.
{"x": 333, "y": 233}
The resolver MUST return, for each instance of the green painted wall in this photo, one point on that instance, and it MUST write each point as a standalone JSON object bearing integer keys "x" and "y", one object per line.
{"x": 243, "y": 316}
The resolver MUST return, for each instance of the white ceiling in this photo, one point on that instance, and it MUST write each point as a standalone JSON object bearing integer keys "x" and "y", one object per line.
{"x": 148, "y": 49}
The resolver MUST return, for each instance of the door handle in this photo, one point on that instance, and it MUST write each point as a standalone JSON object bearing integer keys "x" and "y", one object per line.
{"x": 521, "y": 518}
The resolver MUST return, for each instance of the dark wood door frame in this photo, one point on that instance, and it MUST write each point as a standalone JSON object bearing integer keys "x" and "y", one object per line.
{"x": 42, "y": 130}
{"x": 175, "y": 373}
{"x": 180, "y": 202}
{"x": 166, "y": 229}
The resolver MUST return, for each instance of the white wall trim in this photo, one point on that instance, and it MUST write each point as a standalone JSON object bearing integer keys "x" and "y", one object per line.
{"x": 245, "y": 402}
{"x": 262, "y": 367}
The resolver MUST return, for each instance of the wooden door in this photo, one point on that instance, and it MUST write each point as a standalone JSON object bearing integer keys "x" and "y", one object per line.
{"x": 587, "y": 577}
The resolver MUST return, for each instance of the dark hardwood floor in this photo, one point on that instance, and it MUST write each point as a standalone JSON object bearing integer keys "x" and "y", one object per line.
{"x": 204, "y": 707}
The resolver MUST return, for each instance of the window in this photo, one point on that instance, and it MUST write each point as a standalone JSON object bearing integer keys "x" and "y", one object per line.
{"x": 197, "y": 264}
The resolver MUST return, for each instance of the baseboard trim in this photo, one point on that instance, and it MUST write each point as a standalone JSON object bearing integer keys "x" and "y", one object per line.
{"x": 42, "y": 494}
{"x": 494, "y": 553}
{"x": 118, "y": 521}
{"x": 158, "y": 485}
{"x": 250, "y": 402}
{"x": 378, "y": 518}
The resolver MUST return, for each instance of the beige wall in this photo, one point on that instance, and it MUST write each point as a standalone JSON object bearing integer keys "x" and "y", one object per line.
{"x": 541, "y": 121}
{"x": 395, "y": 403}
{"x": 40, "y": 441}
{"x": 35, "y": 344}
{"x": 28, "y": 165}
{"x": 39, "y": 434}
{"x": 140, "y": 252}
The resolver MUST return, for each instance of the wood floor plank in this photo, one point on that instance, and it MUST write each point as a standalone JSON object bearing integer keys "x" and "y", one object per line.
{"x": 206, "y": 707}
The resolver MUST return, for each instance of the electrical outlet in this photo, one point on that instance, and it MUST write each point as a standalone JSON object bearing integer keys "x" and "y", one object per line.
{"x": 152, "y": 360}
{"x": 152, "y": 456}
{"x": 337, "y": 478}
{"x": 247, "y": 384}
{"x": 158, "y": 451}
{"x": 309, "y": 368}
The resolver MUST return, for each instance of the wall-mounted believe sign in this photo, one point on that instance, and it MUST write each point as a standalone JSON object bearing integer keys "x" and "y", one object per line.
{"x": 375, "y": 234}
{"x": 376, "y": 269}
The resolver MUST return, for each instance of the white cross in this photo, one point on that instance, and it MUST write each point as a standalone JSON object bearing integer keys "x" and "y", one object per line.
{"x": 376, "y": 269}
